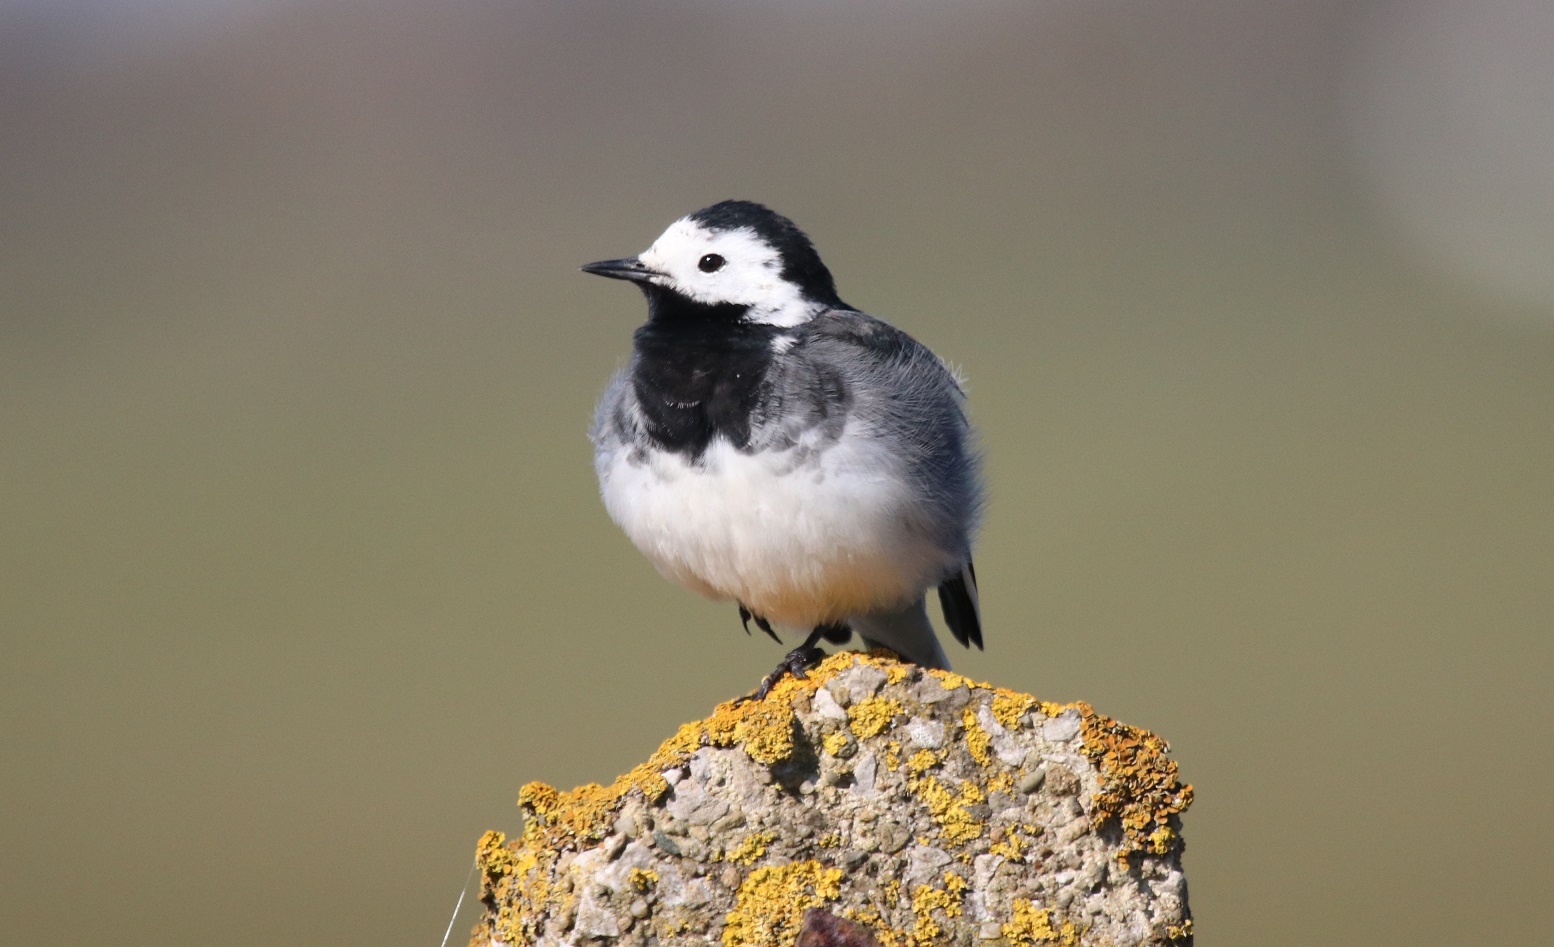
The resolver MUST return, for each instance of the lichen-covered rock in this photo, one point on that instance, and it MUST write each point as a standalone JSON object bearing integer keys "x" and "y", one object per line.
{"x": 925, "y": 807}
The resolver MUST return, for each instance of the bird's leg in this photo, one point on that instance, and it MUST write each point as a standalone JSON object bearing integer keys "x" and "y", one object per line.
{"x": 838, "y": 633}
{"x": 796, "y": 661}
{"x": 745, "y": 615}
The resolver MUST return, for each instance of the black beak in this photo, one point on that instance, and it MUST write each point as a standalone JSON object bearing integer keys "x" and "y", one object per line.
{"x": 630, "y": 268}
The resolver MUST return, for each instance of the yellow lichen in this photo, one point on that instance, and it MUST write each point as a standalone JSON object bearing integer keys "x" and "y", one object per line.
{"x": 539, "y": 799}
{"x": 509, "y": 880}
{"x": 1139, "y": 786}
{"x": 977, "y": 740}
{"x": 892, "y": 755}
{"x": 886, "y": 935}
{"x": 949, "y": 680}
{"x": 921, "y": 760}
{"x": 869, "y": 717}
{"x": 927, "y": 929}
{"x": 1009, "y": 707}
{"x": 642, "y": 879}
{"x": 580, "y": 816}
{"x": 1180, "y": 931}
{"x": 753, "y": 847}
{"x": 1030, "y": 926}
{"x": 834, "y": 743}
{"x": 771, "y": 902}
{"x": 768, "y": 738}
{"x": 926, "y": 900}
{"x": 950, "y": 811}
{"x": 494, "y": 855}
{"x": 763, "y": 728}
{"x": 1014, "y": 840}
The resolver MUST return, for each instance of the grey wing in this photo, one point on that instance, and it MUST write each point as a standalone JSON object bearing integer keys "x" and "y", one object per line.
{"x": 899, "y": 392}
{"x": 615, "y": 425}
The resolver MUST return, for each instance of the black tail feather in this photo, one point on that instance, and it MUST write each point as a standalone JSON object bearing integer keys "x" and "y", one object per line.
{"x": 958, "y": 598}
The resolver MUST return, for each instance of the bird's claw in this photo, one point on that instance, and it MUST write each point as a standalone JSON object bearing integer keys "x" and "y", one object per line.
{"x": 795, "y": 662}
{"x": 746, "y": 616}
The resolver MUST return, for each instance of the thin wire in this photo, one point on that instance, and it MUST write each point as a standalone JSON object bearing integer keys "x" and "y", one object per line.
{"x": 462, "y": 891}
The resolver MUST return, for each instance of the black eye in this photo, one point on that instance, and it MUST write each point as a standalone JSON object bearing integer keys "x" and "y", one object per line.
{"x": 710, "y": 263}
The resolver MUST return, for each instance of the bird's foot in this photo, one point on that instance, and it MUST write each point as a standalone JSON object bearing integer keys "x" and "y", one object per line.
{"x": 800, "y": 659}
{"x": 795, "y": 662}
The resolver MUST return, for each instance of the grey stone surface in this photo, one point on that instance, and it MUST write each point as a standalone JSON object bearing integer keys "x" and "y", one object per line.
{"x": 1062, "y": 728}
{"x": 922, "y": 806}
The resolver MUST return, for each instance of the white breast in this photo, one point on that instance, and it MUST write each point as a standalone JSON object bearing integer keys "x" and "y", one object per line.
{"x": 801, "y": 539}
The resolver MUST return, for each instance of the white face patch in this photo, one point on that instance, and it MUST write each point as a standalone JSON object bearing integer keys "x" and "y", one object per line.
{"x": 751, "y": 273}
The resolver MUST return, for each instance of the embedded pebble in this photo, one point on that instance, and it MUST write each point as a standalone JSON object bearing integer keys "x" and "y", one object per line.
{"x": 1009, "y": 747}
{"x": 892, "y": 836}
{"x": 1062, "y": 728}
{"x": 865, "y": 770}
{"x": 1061, "y": 780}
{"x": 839, "y": 691}
{"x": 924, "y": 864}
{"x": 928, "y": 734}
{"x": 865, "y": 681}
{"x": 826, "y": 707}
{"x": 696, "y": 806}
{"x": 594, "y": 917}
{"x": 930, "y": 691}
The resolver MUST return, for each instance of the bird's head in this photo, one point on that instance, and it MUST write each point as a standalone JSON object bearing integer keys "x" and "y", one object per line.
{"x": 735, "y": 258}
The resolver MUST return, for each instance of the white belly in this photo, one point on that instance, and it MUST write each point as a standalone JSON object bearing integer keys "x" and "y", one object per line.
{"x": 805, "y": 545}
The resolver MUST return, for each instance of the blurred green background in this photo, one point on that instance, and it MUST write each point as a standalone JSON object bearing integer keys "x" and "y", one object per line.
{"x": 303, "y": 571}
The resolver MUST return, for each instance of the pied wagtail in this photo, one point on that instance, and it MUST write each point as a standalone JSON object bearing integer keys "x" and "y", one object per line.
{"x": 770, "y": 445}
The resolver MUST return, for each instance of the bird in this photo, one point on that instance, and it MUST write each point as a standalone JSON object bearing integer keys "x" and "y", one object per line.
{"x": 769, "y": 445}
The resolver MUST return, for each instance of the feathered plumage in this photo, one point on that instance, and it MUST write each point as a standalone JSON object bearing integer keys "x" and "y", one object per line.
{"x": 770, "y": 446}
